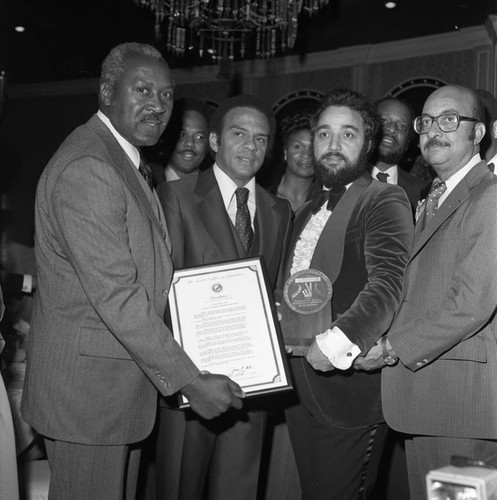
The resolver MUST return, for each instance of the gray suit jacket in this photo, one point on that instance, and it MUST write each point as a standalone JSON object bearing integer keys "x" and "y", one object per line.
{"x": 98, "y": 348}
{"x": 445, "y": 330}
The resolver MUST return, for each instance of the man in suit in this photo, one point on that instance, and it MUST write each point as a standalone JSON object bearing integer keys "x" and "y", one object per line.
{"x": 396, "y": 117}
{"x": 187, "y": 132}
{"x": 203, "y": 214}
{"x": 98, "y": 347}
{"x": 442, "y": 393}
{"x": 358, "y": 249}
{"x": 489, "y": 142}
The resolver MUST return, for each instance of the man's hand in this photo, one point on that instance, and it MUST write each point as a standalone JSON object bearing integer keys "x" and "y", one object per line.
{"x": 210, "y": 395}
{"x": 318, "y": 360}
{"x": 374, "y": 359}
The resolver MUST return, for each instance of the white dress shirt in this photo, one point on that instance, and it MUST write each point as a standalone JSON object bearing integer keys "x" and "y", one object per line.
{"x": 130, "y": 150}
{"x": 456, "y": 178}
{"x": 393, "y": 174}
{"x": 334, "y": 344}
{"x": 228, "y": 187}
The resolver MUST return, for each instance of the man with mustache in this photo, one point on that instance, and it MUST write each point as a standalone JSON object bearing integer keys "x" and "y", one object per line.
{"x": 99, "y": 350}
{"x": 352, "y": 241}
{"x": 187, "y": 132}
{"x": 221, "y": 215}
{"x": 442, "y": 393}
{"x": 397, "y": 131}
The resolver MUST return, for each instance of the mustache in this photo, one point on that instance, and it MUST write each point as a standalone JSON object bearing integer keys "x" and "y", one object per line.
{"x": 332, "y": 155}
{"x": 188, "y": 150}
{"x": 154, "y": 117}
{"x": 435, "y": 142}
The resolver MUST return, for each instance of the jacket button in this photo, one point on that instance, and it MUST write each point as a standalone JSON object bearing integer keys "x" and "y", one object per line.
{"x": 165, "y": 292}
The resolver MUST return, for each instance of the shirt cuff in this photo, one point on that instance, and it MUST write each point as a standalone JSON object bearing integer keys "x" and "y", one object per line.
{"x": 337, "y": 348}
{"x": 27, "y": 283}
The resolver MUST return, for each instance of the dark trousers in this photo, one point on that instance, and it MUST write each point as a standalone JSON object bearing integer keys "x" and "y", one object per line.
{"x": 83, "y": 472}
{"x": 333, "y": 462}
{"x": 217, "y": 459}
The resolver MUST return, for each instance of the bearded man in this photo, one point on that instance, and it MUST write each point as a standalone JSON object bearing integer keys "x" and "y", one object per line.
{"x": 352, "y": 242}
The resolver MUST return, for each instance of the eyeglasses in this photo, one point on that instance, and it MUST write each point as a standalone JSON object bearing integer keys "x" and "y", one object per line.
{"x": 448, "y": 122}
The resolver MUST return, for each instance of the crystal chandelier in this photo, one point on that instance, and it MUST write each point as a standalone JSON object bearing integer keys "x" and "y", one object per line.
{"x": 229, "y": 29}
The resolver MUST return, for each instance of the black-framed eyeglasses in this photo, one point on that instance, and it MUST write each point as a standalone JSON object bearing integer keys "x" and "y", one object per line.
{"x": 447, "y": 122}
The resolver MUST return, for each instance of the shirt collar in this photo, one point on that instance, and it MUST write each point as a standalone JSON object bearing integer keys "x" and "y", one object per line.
{"x": 393, "y": 173}
{"x": 170, "y": 174}
{"x": 456, "y": 178}
{"x": 130, "y": 150}
{"x": 228, "y": 187}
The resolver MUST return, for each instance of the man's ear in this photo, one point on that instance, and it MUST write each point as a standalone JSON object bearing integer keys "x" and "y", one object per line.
{"x": 494, "y": 129}
{"x": 213, "y": 141}
{"x": 105, "y": 94}
{"x": 370, "y": 145}
{"x": 479, "y": 132}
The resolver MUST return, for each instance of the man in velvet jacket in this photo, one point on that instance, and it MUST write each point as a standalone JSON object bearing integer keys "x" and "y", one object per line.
{"x": 221, "y": 457}
{"x": 361, "y": 245}
{"x": 99, "y": 351}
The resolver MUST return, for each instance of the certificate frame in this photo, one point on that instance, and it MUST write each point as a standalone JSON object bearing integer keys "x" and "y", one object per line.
{"x": 223, "y": 316}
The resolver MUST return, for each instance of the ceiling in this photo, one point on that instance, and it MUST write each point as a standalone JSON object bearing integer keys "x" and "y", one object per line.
{"x": 67, "y": 39}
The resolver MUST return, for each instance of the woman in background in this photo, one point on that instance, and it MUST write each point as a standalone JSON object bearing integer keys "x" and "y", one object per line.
{"x": 294, "y": 180}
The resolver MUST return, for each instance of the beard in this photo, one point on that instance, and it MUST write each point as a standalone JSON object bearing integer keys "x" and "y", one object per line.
{"x": 390, "y": 157}
{"x": 331, "y": 176}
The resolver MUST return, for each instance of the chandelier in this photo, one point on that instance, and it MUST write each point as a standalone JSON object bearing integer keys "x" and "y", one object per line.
{"x": 228, "y": 29}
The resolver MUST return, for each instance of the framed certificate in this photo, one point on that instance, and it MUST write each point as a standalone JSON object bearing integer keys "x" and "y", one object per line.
{"x": 223, "y": 316}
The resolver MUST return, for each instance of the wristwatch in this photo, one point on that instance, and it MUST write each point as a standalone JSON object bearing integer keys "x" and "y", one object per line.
{"x": 389, "y": 359}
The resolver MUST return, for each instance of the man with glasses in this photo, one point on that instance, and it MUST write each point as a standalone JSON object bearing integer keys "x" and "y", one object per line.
{"x": 442, "y": 393}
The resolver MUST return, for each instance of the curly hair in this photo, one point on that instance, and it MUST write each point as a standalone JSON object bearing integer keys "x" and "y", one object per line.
{"x": 357, "y": 102}
{"x": 113, "y": 64}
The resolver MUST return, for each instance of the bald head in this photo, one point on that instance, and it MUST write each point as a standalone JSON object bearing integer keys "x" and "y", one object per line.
{"x": 448, "y": 152}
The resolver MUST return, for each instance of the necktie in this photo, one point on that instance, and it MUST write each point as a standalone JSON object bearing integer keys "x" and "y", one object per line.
{"x": 146, "y": 173}
{"x": 243, "y": 224}
{"x": 438, "y": 188}
{"x": 382, "y": 177}
{"x": 491, "y": 166}
{"x": 333, "y": 196}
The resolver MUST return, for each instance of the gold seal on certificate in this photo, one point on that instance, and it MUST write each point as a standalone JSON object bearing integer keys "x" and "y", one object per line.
{"x": 307, "y": 291}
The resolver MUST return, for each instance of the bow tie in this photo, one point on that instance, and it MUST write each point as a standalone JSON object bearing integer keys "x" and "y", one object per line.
{"x": 333, "y": 196}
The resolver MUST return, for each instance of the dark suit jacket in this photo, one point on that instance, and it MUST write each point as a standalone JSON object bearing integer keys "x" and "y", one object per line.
{"x": 98, "y": 347}
{"x": 445, "y": 330}
{"x": 415, "y": 188}
{"x": 366, "y": 291}
{"x": 201, "y": 230}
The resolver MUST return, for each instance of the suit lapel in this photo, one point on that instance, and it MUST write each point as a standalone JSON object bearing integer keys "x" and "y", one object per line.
{"x": 125, "y": 168}
{"x": 267, "y": 222}
{"x": 456, "y": 198}
{"x": 212, "y": 214}
{"x": 332, "y": 238}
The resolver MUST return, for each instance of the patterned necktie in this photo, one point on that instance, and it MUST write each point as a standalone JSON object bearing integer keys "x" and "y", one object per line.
{"x": 146, "y": 173}
{"x": 243, "y": 224}
{"x": 333, "y": 196}
{"x": 382, "y": 177}
{"x": 491, "y": 166}
{"x": 438, "y": 188}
